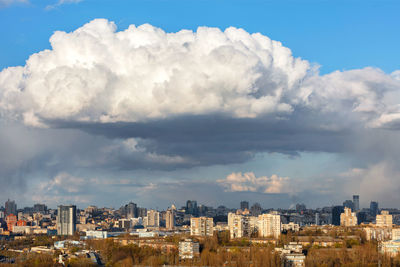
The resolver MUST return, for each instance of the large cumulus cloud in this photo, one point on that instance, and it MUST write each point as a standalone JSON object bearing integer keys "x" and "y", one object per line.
{"x": 97, "y": 74}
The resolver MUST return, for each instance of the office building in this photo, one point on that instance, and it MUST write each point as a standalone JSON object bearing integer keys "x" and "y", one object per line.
{"x": 244, "y": 205}
{"x": 356, "y": 202}
{"x": 336, "y": 211}
{"x": 361, "y": 217}
{"x": 10, "y": 207}
{"x": 191, "y": 207}
{"x": 170, "y": 219}
{"x": 40, "y": 208}
{"x": 348, "y": 218}
{"x": 384, "y": 219}
{"x": 66, "y": 220}
{"x": 349, "y": 204}
{"x": 202, "y": 226}
{"x": 131, "y": 210}
{"x": 373, "y": 208}
{"x": 269, "y": 225}
{"x": 189, "y": 249}
{"x": 256, "y": 209}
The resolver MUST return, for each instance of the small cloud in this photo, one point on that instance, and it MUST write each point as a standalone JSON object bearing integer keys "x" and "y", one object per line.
{"x": 6, "y": 3}
{"x": 62, "y": 2}
{"x": 241, "y": 182}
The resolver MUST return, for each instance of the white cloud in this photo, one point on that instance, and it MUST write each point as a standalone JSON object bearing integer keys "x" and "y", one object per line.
{"x": 5, "y": 3}
{"x": 100, "y": 75}
{"x": 242, "y": 182}
{"x": 62, "y": 2}
{"x": 97, "y": 74}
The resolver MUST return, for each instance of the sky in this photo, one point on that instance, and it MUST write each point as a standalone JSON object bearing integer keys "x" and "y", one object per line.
{"x": 159, "y": 101}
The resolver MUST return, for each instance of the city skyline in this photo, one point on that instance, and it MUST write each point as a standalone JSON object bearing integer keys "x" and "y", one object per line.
{"x": 156, "y": 103}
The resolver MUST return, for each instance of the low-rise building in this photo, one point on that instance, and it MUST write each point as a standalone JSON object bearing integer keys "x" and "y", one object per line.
{"x": 391, "y": 248}
{"x": 189, "y": 249}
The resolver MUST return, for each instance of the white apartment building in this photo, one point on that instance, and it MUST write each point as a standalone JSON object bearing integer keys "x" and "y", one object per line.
{"x": 202, "y": 226}
{"x": 269, "y": 225}
{"x": 384, "y": 219}
{"x": 152, "y": 219}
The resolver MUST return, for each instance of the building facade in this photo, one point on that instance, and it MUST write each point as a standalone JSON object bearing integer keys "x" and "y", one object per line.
{"x": 10, "y": 207}
{"x": 202, "y": 226}
{"x": 170, "y": 219}
{"x": 384, "y": 219}
{"x": 152, "y": 219}
{"x": 189, "y": 249}
{"x": 66, "y": 220}
{"x": 269, "y": 225}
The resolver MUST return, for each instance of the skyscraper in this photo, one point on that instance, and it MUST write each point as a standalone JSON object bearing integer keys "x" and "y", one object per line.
{"x": 11, "y": 207}
{"x": 66, "y": 220}
{"x": 373, "y": 208}
{"x": 349, "y": 204}
{"x": 336, "y": 211}
{"x": 244, "y": 205}
{"x": 131, "y": 210}
{"x": 191, "y": 207}
{"x": 356, "y": 202}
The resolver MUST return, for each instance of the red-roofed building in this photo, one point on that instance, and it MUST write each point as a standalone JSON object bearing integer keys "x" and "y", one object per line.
{"x": 11, "y": 221}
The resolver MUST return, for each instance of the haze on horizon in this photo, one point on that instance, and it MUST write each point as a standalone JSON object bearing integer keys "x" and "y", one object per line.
{"x": 115, "y": 109}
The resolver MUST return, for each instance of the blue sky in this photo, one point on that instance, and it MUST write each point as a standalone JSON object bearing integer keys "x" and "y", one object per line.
{"x": 331, "y": 144}
{"x": 338, "y": 35}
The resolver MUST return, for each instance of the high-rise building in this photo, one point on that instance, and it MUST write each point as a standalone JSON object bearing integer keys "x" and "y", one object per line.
{"x": 269, "y": 225}
{"x": 10, "y": 207}
{"x": 66, "y": 220}
{"x": 152, "y": 219}
{"x": 373, "y": 208}
{"x": 356, "y": 202}
{"x": 40, "y": 208}
{"x": 255, "y": 209}
{"x": 317, "y": 218}
{"x": 336, "y": 211}
{"x": 241, "y": 225}
{"x": 348, "y": 218}
{"x": 349, "y": 204}
{"x": 131, "y": 210}
{"x": 201, "y": 226}
{"x": 191, "y": 207}
{"x": 170, "y": 219}
{"x": 384, "y": 219}
{"x": 361, "y": 217}
{"x": 244, "y": 205}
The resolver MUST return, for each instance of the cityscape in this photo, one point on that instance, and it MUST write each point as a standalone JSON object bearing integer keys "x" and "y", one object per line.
{"x": 182, "y": 235}
{"x": 218, "y": 133}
